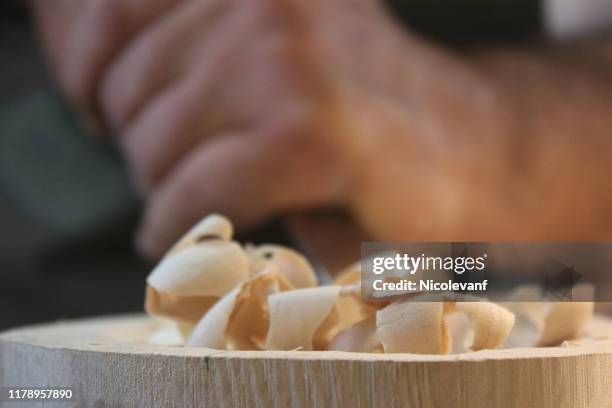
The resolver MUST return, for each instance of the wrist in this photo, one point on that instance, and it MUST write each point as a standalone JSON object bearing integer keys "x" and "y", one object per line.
{"x": 437, "y": 163}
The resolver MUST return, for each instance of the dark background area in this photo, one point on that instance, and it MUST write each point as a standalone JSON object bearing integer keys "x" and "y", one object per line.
{"x": 50, "y": 271}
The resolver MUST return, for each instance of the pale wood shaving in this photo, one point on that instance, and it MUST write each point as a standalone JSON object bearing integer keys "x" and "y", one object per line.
{"x": 565, "y": 321}
{"x": 222, "y": 295}
{"x": 296, "y": 315}
{"x": 360, "y": 337}
{"x": 288, "y": 262}
{"x": 211, "y": 268}
{"x": 492, "y": 323}
{"x": 237, "y": 319}
{"x": 214, "y": 226}
{"x": 411, "y": 327}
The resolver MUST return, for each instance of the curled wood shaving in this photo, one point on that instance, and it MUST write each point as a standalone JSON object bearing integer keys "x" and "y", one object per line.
{"x": 225, "y": 296}
{"x": 360, "y": 337}
{"x": 565, "y": 321}
{"x": 492, "y": 323}
{"x": 545, "y": 323}
{"x": 186, "y": 284}
{"x": 326, "y": 330}
{"x": 212, "y": 227}
{"x": 350, "y": 275}
{"x": 412, "y": 327}
{"x": 184, "y": 309}
{"x": 289, "y": 262}
{"x": 207, "y": 269}
{"x": 196, "y": 272}
{"x": 351, "y": 309}
{"x": 239, "y": 319}
{"x": 248, "y": 324}
{"x": 295, "y": 317}
{"x": 419, "y": 327}
{"x": 461, "y": 331}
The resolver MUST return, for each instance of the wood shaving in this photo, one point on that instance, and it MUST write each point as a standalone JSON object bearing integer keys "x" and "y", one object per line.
{"x": 412, "y": 327}
{"x": 360, "y": 337}
{"x": 544, "y": 323}
{"x": 564, "y": 322}
{"x": 237, "y": 320}
{"x": 289, "y": 262}
{"x": 492, "y": 323}
{"x": 295, "y": 317}
{"x": 351, "y": 309}
{"x": 222, "y": 295}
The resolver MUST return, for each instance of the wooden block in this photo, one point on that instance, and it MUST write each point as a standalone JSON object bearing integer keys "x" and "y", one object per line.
{"x": 107, "y": 363}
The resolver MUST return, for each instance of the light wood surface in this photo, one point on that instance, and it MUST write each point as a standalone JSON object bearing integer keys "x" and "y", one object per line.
{"x": 106, "y": 362}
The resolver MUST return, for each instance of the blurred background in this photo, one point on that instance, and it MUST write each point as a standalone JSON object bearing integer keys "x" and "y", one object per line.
{"x": 67, "y": 208}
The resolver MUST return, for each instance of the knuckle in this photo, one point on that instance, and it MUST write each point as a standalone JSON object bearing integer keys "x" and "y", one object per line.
{"x": 280, "y": 48}
{"x": 95, "y": 26}
{"x": 107, "y": 13}
{"x": 294, "y": 133}
{"x": 100, "y": 19}
{"x": 264, "y": 8}
{"x": 304, "y": 149}
{"x": 113, "y": 101}
{"x": 282, "y": 65}
{"x": 140, "y": 168}
{"x": 119, "y": 90}
{"x": 276, "y": 15}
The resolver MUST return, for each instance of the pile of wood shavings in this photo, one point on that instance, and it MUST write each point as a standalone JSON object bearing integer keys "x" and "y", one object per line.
{"x": 224, "y": 296}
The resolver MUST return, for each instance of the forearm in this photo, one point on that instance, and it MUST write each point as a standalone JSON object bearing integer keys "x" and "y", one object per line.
{"x": 557, "y": 184}
{"x": 493, "y": 146}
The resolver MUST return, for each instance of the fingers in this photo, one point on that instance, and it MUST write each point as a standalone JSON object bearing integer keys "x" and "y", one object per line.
{"x": 101, "y": 29}
{"x": 247, "y": 178}
{"x": 166, "y": 130}
{"x": 171, "y": 126}
{"x": 54, "y": 22}
{"x": 185, "y": 113}
{"x": 152, "y": 61}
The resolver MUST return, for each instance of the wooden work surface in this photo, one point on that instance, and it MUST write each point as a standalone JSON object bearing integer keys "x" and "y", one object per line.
{"x": 106, "y": 362}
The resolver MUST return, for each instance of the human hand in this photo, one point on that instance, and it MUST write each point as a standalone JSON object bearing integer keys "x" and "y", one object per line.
{"x": 269, "y": 106}
{"x": 239, "y": 107}
{"x": 81, "y": 37}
